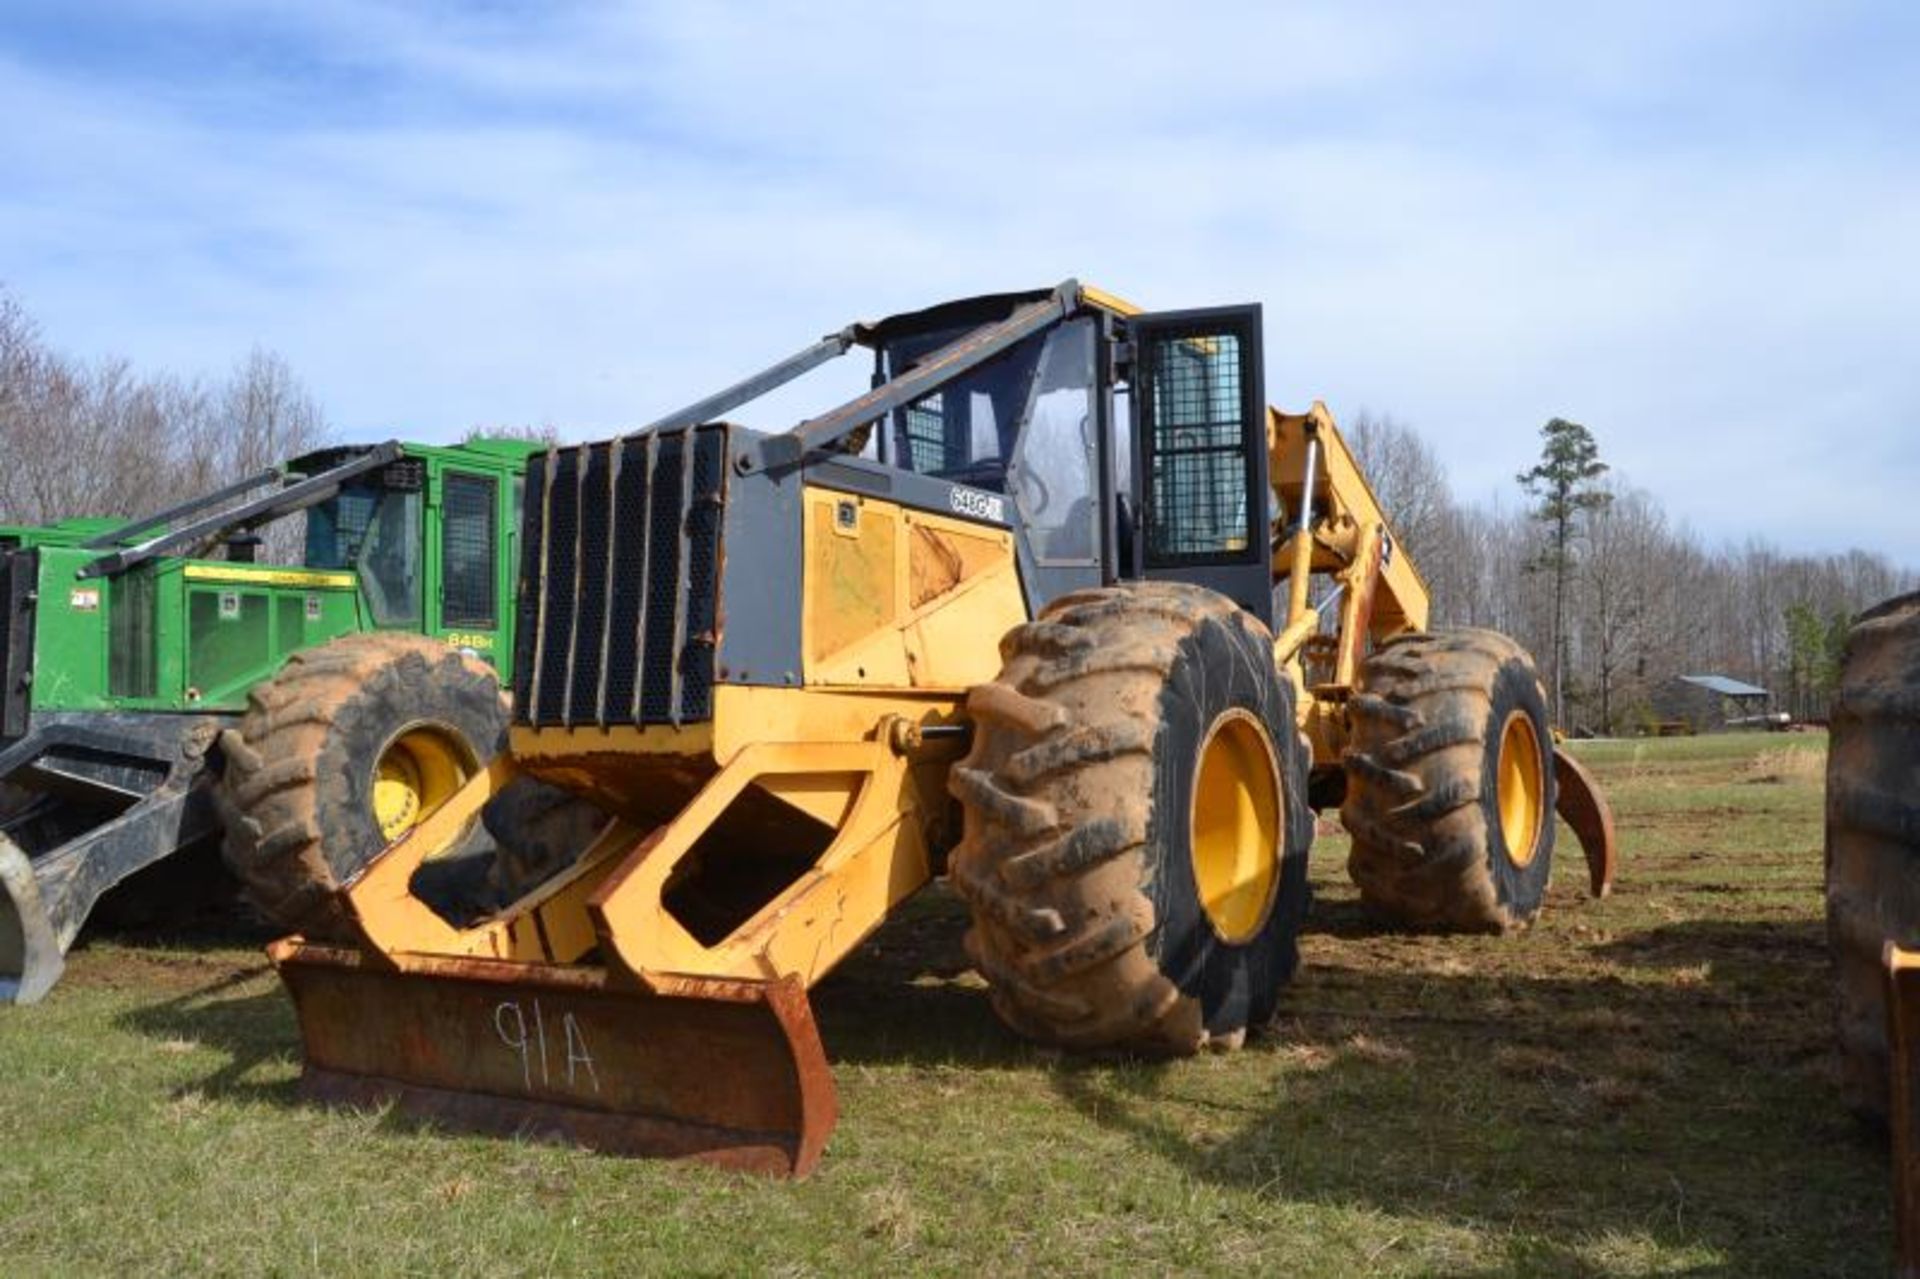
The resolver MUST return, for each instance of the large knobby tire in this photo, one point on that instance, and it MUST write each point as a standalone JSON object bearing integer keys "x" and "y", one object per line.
{"x": 1450, "y": 788}
{"x": 1129, "y": 728}
{"x": 1873, "y": 835}
{"x": 350, "y": 745}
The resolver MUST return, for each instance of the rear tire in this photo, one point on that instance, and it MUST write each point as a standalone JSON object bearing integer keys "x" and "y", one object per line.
{"x": 304, "y": 771}
{"x": 1094, "y": 920}
{"x": 1450, "y": 787}
{"x": 1873, "y": 836}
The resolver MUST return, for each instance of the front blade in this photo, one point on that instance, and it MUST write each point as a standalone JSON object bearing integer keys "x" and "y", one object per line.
{"x": 30, "y": 958}
{"x": 731, "y": 1072}
{"x": 1586, "y": 810}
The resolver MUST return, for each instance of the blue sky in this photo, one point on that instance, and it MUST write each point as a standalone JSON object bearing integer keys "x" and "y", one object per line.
{"x": 1693, "y": 227}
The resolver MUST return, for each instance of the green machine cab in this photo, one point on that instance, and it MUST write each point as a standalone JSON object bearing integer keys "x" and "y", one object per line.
{"x": 128, "y": 650}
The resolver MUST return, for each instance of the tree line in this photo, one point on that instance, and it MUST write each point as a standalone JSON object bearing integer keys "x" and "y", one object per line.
{"x": 1614, "y": 596}
{"x": 100, "y": 437}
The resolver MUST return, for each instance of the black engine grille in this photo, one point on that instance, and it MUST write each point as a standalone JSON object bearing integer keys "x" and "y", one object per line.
{"x": 619, "y": 581}
{"x": 19, "y": 572}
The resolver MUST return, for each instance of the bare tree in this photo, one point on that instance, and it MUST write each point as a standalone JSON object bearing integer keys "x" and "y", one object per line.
{"x": 1625, "y": 576}
{"x": 262, "y": 414}
{"x": 105, "y": 439}
{"x": 19, "y": 355}
{"x": 1405, "y": 475}
{"x": 548, "y": 434}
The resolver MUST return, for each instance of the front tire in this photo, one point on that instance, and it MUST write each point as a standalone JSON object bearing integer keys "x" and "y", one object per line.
{"x": 1450, "y": 784}
{"x": 1136, "y": 827}
{"x": 351, "y": 745}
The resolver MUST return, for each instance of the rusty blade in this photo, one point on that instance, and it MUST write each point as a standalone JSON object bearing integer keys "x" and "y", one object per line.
{"x": 730, "y": 1072}
{"x": 1585, "y": 809}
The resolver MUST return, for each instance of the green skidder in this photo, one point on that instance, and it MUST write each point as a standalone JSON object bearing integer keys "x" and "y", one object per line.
{"x": 162, "y": 687}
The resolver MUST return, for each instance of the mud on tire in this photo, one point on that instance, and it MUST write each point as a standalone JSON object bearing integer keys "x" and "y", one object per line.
{"x": 1428, "y": 719}
{"x": 1078, "y": 798}
{"x": 1873, "y": 836}
{"x": 296, "y": 796}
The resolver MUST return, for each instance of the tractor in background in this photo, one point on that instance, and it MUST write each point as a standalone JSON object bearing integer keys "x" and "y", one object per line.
{"x": 162, "y": 689}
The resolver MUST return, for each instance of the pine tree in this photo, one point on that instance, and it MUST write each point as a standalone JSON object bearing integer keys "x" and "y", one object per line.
{"x": 1564, "y": 487}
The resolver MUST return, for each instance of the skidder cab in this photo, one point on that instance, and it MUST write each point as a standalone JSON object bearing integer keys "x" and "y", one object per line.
{"x": 1059, "y": 608}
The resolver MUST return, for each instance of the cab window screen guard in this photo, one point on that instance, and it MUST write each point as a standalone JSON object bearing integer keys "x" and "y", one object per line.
{"x": 1198, "y": 462}
{"x": 467, "y": 552}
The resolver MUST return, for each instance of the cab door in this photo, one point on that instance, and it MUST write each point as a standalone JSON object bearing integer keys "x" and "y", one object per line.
{"x": 468, "y": 608}
{"x": 1204, "y": 509}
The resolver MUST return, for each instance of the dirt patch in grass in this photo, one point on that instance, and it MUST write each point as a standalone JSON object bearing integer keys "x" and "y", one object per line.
{"x": 161, "y": 968}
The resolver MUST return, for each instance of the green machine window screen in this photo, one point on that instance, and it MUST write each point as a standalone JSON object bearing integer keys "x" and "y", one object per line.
{"x": 132, "y": 663}
{"x": 467, "y": 542}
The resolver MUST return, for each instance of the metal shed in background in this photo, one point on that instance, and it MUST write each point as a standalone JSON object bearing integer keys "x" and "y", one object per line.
{"x": 1711, "y": 703}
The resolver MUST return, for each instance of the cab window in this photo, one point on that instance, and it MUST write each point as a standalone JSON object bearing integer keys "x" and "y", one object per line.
{"x": 1053, "y": 469}
{"x": 374, "y": 532}
{"x": 964, "y": 431}
{"x": 468, "y": 568}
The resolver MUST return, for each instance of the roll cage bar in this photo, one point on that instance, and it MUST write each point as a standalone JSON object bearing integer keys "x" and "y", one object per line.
{"x": 992, "y": 330}
{"x": 298, "y": 496}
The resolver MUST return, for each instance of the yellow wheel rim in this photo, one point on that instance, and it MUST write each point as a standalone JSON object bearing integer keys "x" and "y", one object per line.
{"x": 1522, "y": 788}
{"x": 419, "y": 770}
{"x": 1236, "y": 825}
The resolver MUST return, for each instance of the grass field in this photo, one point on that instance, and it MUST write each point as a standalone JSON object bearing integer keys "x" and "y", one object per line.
{"x": 1640, "y": 1085}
